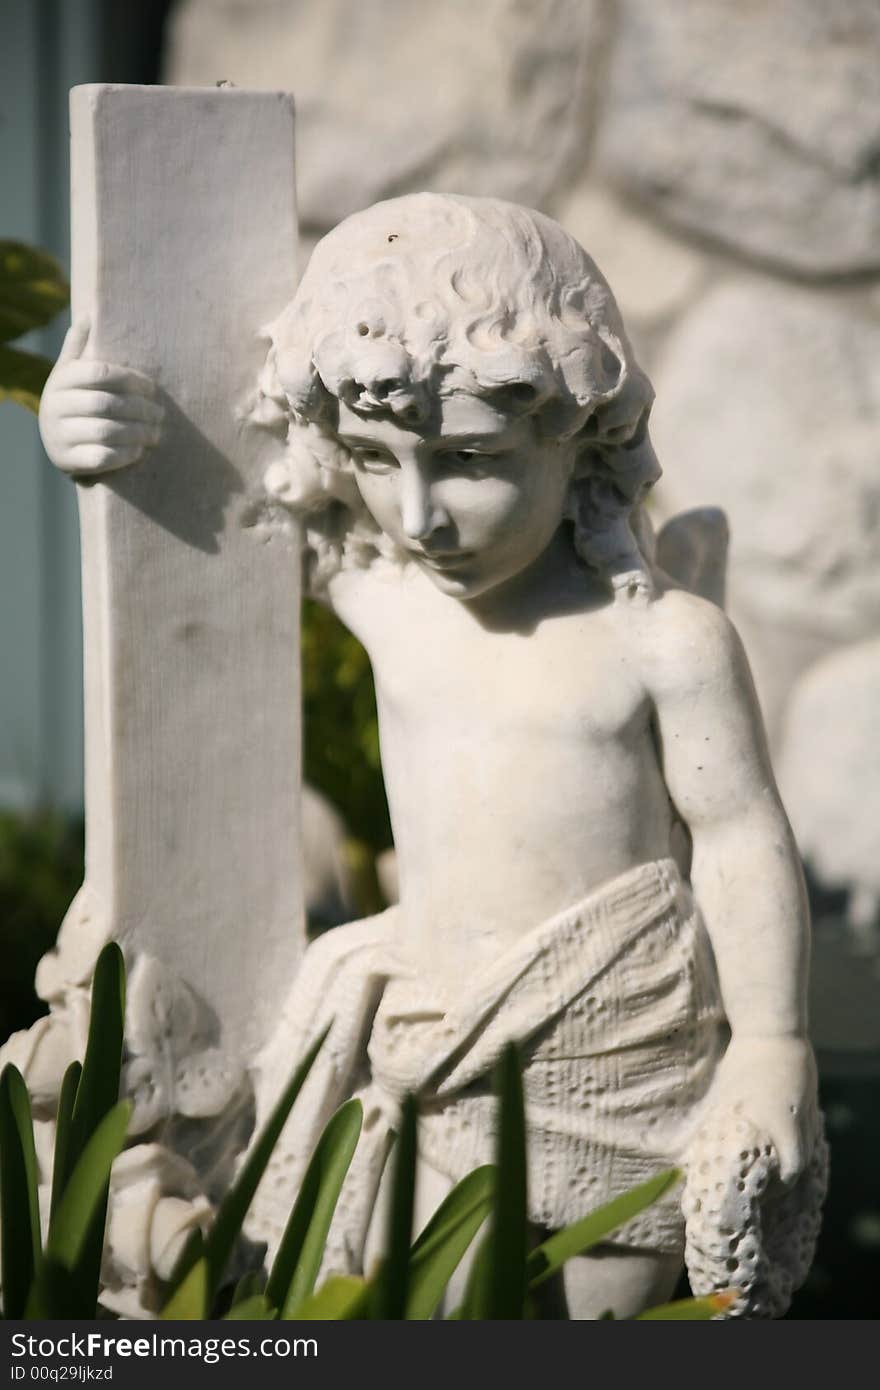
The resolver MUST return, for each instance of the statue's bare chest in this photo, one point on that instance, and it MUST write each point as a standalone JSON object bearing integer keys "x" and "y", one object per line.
{"x": 571, "y": 681}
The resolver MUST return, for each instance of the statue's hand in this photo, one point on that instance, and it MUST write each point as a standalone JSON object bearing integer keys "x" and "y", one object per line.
{"x": 96, "y": 417}
{"x": 772, "y": 1083}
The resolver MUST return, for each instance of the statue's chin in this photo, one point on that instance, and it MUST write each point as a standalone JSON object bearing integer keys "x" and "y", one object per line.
{"x": 467, "y": 579}
{"x": 460, "y": 584}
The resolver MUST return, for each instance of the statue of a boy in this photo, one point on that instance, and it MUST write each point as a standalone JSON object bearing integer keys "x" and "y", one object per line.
{"x": 593, "y": 857}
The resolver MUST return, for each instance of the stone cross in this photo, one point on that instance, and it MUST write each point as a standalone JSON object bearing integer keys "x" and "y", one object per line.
{"x": 184, "y": 237}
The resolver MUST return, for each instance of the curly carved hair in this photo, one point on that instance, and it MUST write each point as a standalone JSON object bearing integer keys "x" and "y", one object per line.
{"x": 431, "y": 295}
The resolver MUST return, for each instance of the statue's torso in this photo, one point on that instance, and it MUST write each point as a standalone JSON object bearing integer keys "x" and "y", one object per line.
{"x": 521, "y": 767}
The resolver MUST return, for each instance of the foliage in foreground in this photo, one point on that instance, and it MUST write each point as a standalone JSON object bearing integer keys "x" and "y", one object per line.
{"x": 60, "y": 1279}
{"x": 32, "y": 291}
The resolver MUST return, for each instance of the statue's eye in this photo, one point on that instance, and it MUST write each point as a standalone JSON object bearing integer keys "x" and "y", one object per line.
{"x": 470, "y": 461}
{"x": 374, "y": 460}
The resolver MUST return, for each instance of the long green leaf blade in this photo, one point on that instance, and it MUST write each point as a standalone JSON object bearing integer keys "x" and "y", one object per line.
{"x": 98, "y": 1089}
{"x": 257, "y": 1308}
{"x": 441, "y": 1246}
{"x": 473, "y": 1189}
{"x": 473, "y": 1306}
{"x": 192, "y": 1252}
{"x": 250, "y": 1284}
{"x": 593, "y": 1228}
{"x": 66, "y": 1101}
{"x": 20, "y": 1245}
{"x": 56, "y": 1294}
{"x": 392, "y": 1287}
{"x": 508, "y": 1236}
{"x": 97, "y": 1093}
{"x": 301, "y": 1250}
{"x": 86, "y": 1192}
{"x": 191, "y": 1300}
{"x": 690, "y": 1309}
{"x": 343, "y": 1298}
{"x": 227, "y": 1224}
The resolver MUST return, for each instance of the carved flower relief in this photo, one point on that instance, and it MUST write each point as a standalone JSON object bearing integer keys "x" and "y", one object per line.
{"x": 178, "y": 1080}
{"x": 172, "y": 1066}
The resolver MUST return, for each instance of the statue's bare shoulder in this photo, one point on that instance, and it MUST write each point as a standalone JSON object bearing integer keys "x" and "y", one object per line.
{"x": 710, "y": 734}
{"x": 686, "y": 643}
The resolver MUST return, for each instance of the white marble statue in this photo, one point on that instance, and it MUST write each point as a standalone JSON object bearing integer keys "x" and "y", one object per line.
{"x": 592, "y": 854}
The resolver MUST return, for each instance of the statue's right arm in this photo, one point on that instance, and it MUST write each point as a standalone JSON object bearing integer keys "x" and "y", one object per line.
{"x": 96, "y": 417}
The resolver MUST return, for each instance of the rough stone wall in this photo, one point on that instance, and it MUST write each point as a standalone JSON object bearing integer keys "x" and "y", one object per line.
{"x": 721, "y": 161}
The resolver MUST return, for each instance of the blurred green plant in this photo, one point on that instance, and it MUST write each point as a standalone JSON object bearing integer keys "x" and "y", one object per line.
{"x": 41, "y": 867}
{"x": 341, "y": 726}
{"x": 60, "y": 1279}
{"x": 33, "y": 290}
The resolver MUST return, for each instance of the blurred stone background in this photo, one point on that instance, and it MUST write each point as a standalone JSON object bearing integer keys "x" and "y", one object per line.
{"x": 721, "y": 162}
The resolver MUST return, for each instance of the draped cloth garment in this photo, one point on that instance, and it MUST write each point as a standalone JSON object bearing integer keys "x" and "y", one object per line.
{"x": 616, "y": 1007}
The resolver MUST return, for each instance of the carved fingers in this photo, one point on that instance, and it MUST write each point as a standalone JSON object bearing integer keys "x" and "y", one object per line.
{"x": 96, "y": 417}
{"x": 772, "y": 1082}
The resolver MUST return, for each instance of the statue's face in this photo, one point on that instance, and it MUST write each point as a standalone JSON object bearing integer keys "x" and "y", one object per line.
{"x": 473, "y": 496}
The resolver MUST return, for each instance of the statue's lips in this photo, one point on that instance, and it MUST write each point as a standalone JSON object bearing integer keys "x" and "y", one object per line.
{"x": 443, "y": 560}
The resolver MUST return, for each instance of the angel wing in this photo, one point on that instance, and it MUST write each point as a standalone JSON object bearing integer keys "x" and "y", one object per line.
{"x": 692, "y": 549}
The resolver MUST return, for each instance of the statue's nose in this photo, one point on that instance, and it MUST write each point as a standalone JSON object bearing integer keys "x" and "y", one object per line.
{"x": 420, "y": 513}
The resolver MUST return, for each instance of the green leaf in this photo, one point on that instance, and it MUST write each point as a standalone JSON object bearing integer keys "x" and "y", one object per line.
{"x": 690, "y": 1309}
{"x": 20, "y": 1248}
{"x": 473, "y": 1190}
{"x": 191, "y": 1300}
{"x": 505, "y": 1287}
{"x": 33, "y": 289}
{"x": 301, "y": 1250}
{"x": 98, "y": 1092}
{"x": 392, "y": 1287}
{"x": 439, "y": 1249}
{"x": 56, "y": 1293}
{"x": 98, "y": 1089}
{"x": 257, "y": 1308}
{"x": 224, "y": 1232}
{"x": 593, "y": 1228}
{"x": 192, "y": 1251}
{"x": 85, "y": 1192}
{"x": 474, "y": 1303}
{"x": 23, "y": 376}
{"x": 66, "y": 1100}
{"x": 343, "y": 1298}
{"x": 252, "y": 1282}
